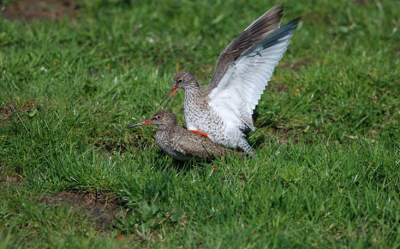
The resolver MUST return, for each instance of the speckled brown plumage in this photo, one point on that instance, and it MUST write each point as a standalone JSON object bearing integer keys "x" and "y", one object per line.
{"x": 180, "y": 143}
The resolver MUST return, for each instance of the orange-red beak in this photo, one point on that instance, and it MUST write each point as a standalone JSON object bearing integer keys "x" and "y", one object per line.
{"x": 170, "y": 95}
{"x": 146, "y": 122}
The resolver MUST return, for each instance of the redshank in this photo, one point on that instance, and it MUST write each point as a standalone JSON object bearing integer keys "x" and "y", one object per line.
{"x": 180, "y": 143}
{"x": 223, "y": 111}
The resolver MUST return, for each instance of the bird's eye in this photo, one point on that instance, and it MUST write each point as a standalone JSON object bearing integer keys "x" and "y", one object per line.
{"x": 180, "y": 81}
{"x": 158, "y": 117}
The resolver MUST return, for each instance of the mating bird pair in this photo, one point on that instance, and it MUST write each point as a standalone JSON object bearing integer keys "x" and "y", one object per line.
{"x": 222, "y": 113}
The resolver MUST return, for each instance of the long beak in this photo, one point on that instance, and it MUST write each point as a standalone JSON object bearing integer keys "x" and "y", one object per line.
{"x": 170, "y": 95}
{"x": 146, "y": 122}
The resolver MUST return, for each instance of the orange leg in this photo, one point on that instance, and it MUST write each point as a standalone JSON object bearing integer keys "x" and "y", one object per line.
{"x": 200, "y": 132}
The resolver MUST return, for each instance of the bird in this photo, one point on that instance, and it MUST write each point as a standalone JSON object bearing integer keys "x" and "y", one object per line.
{"x": 180, "y": 143}
{"x": 223, "y": 111}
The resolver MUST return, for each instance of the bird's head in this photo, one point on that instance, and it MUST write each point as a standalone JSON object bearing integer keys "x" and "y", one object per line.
{"x": 182, "y": 80}
{"x": 159, "y": 118}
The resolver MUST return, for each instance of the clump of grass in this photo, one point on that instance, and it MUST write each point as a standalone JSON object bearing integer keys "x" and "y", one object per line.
{"x": 327, "y": 136}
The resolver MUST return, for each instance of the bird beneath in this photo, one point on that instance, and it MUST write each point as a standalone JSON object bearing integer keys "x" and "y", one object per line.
{"x": 180, "y": 143}
{"x": 223, "y": 111}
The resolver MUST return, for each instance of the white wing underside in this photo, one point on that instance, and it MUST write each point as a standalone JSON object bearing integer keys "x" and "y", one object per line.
{"x": 240, "y": 89}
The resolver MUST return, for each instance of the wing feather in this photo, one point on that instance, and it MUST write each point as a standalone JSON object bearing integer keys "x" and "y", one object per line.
{"x": 241, "y": 87}
{"x": 197, "y": 145}
{"x": 254, "y": 33}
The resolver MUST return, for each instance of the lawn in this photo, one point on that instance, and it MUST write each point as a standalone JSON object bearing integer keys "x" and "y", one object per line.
{"x": 327, "y": 138}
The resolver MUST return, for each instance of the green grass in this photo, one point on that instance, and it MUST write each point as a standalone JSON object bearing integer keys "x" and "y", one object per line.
{"x": 327, "y": 139}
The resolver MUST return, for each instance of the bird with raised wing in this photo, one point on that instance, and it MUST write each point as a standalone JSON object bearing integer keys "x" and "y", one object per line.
{"x": 180, "y": 143}
{"x": 223, "y": 111}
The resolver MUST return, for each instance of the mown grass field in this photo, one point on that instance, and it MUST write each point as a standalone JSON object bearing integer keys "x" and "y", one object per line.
{"x": 327, "y": 130}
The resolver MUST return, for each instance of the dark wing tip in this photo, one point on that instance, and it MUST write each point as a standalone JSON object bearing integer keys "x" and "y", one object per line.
{"x": 275, "y": 37}
{"x": 294, "y": 22}
{"x": 288, "y": 28}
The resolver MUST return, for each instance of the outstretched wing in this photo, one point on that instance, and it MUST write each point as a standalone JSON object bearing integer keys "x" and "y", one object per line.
{"x": 241, "y": 87}
{"x": 261, "y": 27}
